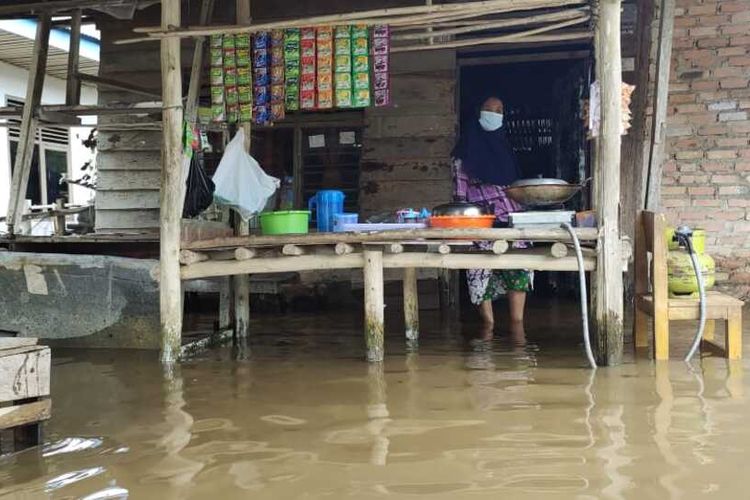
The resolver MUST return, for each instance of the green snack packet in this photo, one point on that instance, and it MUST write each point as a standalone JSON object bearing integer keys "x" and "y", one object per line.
{"x": 216, "y": 41}
{"x": 242, "y": 41}
{"x": 216, "y": 57}
{"x": 232, "y": 96}
{"x": 217, "y": 95}
{"x": 204, "y": 114}
{"x": 361, "y": 81}
{"x": 361, "y": 98}
{"x": 361, "y": 64}
{"x": 228, "y": 42}
{"x": 246, "y": 113}
{"x": 243, "y": 76}
{"x": 243, "y": 58}
{"x": 216, "y": 76}
{"x": 359, "y": 31}
{"x": 217, "y": 113}
{"x": 343, "y": 31}
{"x": 245, "y": 93}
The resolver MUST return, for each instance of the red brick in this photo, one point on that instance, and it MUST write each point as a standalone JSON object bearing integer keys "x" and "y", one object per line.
{"x": 734, "y": 29}
{"x": 736, "y": 6}
{"x": 732, "y": 141}
{"x": 713, "y": 129}
{"x": 716, "y": 166}
{"x": 713, "y": 96}
{"x": 688, "y": 167}
{"x": 739, "y": 60}
{"x": 689, "y": 108}
{"x": 734, "y": 83}
{"x": 713, "y": 20}
{"x": 685, "y": 21}
{"x": 688, "y": 155}
{"x": 693, "y": 179}
{"x": 731, "y": 215}
{"x": 704, "y": 85}
{"x": 741, "y": 17}
{"x": 729, "y": 72}
{"x": 743, "y": 226}
{"x": 708, "y": 43}
{"x": 673, "y": 190}
{"x": 742, "y": 166}
{"x": 732, "y": 51}
{"x": 712, "y": 203}
{"x": 725, "y": 179}
{"x": 702, "y": 190}
{"x": 745, "y": 104}
{"x": 675, "y": 202}
{"x": 697, "y": 10}
{"x": 739, "y": 41}
{"x": 702, "y": 30}
{"x": 740, "y": 127}
{"x": 721, "y": 154}
{"x": 738, "y": 202}
{"x": 731, "y": 190}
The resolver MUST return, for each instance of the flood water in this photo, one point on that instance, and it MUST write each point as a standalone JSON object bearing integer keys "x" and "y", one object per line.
{"x": 303, "y": 416}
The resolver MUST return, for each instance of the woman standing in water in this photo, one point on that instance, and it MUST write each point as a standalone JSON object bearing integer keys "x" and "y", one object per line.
{"x": 484, "y": 164}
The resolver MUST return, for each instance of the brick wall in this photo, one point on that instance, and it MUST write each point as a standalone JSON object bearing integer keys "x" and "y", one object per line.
{"x": 706, "y": 179}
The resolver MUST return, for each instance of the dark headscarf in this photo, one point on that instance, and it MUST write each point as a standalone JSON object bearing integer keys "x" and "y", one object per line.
{"x": 487, "y": 156}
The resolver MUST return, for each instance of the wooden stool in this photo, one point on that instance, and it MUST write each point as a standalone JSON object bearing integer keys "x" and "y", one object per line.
{"x": 656, "y": 303}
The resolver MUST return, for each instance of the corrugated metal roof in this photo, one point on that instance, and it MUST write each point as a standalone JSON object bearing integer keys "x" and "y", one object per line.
{"x": 17, "y": 50}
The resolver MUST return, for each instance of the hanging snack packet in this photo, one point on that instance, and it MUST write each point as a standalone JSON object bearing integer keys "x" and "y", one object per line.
{"x": 243, "y": 76}
{"x": 242, "y": 41}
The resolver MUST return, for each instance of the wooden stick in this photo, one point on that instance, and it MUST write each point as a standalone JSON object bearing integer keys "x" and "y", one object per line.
{"x": 117, "y": 85}
{"x": 411, "y": 304}
{"x": 360, "y": 17}
{"x": 73, "y": 83}
{"x": 502, "y": 23}
{"x": 514, "y": 37}
{"x": 500, "y": 247}
{"x": 188, "y": 257}
{"x": 558, "y": 250}
{"x": 659, "y": 108}
{"x": 24, "y": 153}
{"x": 508, "y": 234}
{"x": 244, "y": 253}
{"x": 374, "y": 305}
{"x": 191, "y": 103}
{"x": 608, "y": 310}
{"x": 343, "y": 249}
{"x": 170, "y": 291}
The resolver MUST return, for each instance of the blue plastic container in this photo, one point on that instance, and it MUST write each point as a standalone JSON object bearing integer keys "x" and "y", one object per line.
{"x": 342, "y": 219}
{"x": 326, "y": 204}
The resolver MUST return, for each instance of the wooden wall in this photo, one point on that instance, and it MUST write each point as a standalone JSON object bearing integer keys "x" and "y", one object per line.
{"x": 406, "y": 147}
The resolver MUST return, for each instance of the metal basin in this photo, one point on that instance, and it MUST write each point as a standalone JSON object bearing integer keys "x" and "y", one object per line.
{"x": 542, "y": 192}
{"x": 459, "y": 208}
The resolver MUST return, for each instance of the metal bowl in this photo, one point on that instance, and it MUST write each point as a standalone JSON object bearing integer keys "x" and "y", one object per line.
{"x": 542, "y": 192}
{"x": 459, "y": 208}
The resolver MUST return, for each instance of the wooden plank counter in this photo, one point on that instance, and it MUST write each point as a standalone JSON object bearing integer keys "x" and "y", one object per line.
{"x": 374, "y": 251}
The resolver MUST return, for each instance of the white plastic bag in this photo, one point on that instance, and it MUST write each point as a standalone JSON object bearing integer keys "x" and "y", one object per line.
{"x": 240, "y": 182}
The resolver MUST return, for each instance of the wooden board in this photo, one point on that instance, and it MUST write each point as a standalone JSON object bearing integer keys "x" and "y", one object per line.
{"x": 127, "y": 219}
{"x": 126, "y": 180}
{"x": 129, "y": 141}
{"x": 128, "y": 160}
{"x": 403, "y": 149}
{"x": 406, "y": 170}
{"x": 128, "y": 200}
{"x": 428, "y": 125}
{"x": 24, "y": 372}
{"x": 29, "y": 413}
{"x": 12, "y": 342}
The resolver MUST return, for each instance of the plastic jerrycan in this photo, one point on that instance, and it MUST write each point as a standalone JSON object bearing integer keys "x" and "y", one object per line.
{"x": 326, "y": 204}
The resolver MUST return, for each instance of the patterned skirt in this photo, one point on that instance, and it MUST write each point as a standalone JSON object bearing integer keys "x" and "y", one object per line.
{"x": 486, "y": 284}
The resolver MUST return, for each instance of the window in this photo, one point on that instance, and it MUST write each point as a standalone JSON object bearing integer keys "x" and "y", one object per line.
{"x": 48, "y": 168}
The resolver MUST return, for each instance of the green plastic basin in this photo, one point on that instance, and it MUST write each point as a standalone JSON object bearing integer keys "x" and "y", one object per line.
{"x": 285, "y": 222}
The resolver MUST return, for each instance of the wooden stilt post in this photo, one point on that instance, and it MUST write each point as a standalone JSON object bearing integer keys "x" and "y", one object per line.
{"x": 73, "y": 84}
{"x": 411, "y": 304}
{"x": 24, "y": 154}
{"x": 608, "y": 282}
{"x": 374, "y": 306}
{"x": 170, "y": 203}
{"x": 242, "y": 281}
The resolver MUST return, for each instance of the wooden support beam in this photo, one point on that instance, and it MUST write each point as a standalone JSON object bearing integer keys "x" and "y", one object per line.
{"x": 653, "y": 170}
{"x": 242, "y": 228}
{"x": 191, "y": 103}
{"x": 608, "y": 307}
{"x": 225, "y": 303}
{"x": 116, "y": 84}
{"x": 73, "y": 83}
{"x": 374, "y": 305}
{"x": 24, "y": 414}
{"x": 411, "y": 304}
{"x": 24, "y": 154}
{"x": 170, "y": 215}
{"x": 443, "y": 249}
{"x": 244, "y": 253}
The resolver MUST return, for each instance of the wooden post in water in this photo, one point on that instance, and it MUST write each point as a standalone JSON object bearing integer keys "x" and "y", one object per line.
{"x": 608, "y": 307}
{"x": 242, "y": 282}
{"x": 374, "y": 306}
{"x": 24, "y": 154}
{"x": 170, "y": 204}
{"x": 411, "y": 304}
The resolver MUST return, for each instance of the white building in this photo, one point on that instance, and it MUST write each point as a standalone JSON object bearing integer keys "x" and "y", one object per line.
{"x": 59, "y": 152}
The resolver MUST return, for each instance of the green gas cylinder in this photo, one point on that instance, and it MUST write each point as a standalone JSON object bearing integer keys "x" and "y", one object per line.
{"x": 680, "y": 273}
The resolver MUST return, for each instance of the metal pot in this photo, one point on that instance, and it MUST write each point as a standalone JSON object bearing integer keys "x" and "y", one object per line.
{"x": 542, "y": 192}
{"x": 460, "y": 208}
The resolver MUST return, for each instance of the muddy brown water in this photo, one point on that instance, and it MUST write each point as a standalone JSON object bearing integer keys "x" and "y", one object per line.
{"x": 303, "y": 416}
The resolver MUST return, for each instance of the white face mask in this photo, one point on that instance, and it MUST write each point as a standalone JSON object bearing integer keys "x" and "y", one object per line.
{"x": 490, "y": 121}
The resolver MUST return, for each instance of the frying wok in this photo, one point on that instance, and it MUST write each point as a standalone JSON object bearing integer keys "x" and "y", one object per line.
{"x": 542, "y": 192}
